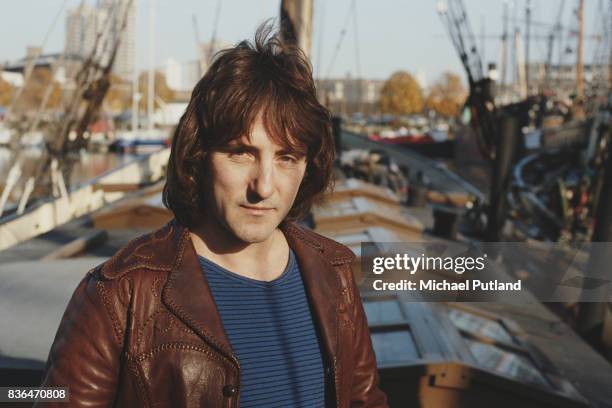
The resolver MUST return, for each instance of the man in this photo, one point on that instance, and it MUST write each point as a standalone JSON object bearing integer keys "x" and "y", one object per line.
{"x": 231, "y": 304}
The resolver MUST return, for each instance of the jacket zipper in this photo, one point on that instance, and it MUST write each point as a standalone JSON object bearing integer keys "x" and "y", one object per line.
{"x": 336, "y": 390}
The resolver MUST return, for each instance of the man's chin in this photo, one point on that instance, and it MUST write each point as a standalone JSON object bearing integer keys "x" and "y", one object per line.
{"x": 253, "y": 234}
{"x": 254, "y": 238}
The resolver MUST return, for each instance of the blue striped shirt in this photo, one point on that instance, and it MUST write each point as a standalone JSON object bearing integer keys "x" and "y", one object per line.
{"x": 272, "y": 333}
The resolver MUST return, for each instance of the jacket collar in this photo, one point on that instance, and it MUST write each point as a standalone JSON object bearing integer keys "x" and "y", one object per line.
{"x": 188, "y": 295}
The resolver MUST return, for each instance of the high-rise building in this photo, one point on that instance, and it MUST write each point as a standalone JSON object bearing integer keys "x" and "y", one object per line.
{"x": 125, "y": 59}
{"x": 87, "y": 26}
{"x": 82, "y": 25}
{"x": 174, "y": 75}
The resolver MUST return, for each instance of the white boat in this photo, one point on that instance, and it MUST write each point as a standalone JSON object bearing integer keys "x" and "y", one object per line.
{"x": 89, "y": 197}
{"x": 6, "y": 135}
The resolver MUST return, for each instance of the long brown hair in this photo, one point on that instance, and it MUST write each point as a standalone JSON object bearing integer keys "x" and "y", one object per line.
{"x": 268, "y": 78}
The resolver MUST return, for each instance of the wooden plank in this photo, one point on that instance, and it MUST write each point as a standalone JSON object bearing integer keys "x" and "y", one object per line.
{"x": 78, "y": 245}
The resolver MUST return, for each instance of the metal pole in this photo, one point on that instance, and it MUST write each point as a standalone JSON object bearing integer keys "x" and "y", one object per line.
{"x": 337, "y": 132}
{"x": 151, "y": 78}
{"x": 296, "y": 23}
{"x": 135, "y": 87}
{"x": 579, "y": 53}
{"x": 504, "y": 48}
{"x": 591, "y": 315}
{"x": 502, "y": 171}
{"x": 527, "y": 40}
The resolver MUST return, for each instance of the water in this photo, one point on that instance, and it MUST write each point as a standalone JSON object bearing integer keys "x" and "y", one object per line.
{"x": 87, "y": 166}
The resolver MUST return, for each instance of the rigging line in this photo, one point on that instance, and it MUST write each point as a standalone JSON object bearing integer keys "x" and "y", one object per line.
{"x": 563, "y": 38}
{"x": 339, "y": 43}
{"x": 49, "y": 89}
{"x": 29, "y": 68}
{"x": 213, "y": 39}
{"x": 83, "y": 78}
{"x": 596, "y": 50}
{"x": 55, "y": 20}
{"x": 573, "y": 31}
{"x": 357, "y": 58}
{"x": 321, "y": 30}
{"x": 556, "y": 32}
{"x": 87, "y": 73}
{"x": 72, "y": 114}
{"x": 454, "y": 25}
{"x": 355, "y": 25}
{"x": 600, "y": 43}
{"x": 111, "y": 25}
{"x": 600, "y": 54}
{"x": 466, "y": 39}
{"x": 472, "y": 39}
{"x": 449, "y": 24}
{"x": 451, "y": 27}
{"x": 459, "y": 21}
{"x": 513, "y": 53}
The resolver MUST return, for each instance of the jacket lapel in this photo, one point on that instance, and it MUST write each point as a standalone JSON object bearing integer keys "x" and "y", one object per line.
{"x": 320, "y": 283}
{"x": 188, "y": 295}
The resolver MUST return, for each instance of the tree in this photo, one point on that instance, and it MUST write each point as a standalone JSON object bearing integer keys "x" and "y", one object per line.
{"x": 35, "y": 89}
{"x": 447, "y": 95}
{"x": 162, "y": 91}
{"x": 6, "y": 93}
{"x": 119, "y": 96}
{"x": 401, "y": 94}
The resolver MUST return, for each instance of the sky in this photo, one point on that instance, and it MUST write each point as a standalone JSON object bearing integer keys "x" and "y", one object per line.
{"x": 384, "y": 36}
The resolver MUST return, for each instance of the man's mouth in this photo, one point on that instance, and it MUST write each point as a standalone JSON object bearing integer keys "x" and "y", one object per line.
{"x": 257, "y": 210}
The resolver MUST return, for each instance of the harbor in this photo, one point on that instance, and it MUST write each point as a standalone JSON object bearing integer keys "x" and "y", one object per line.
{"x": 504, "y": 164}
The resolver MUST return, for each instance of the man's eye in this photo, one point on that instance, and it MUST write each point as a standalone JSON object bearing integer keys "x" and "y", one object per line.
{"x": 289, "y": 159}
{"x": 238, "y": 153}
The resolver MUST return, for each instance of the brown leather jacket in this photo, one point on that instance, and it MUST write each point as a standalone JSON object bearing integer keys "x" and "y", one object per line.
{"x": 142, "y": 329}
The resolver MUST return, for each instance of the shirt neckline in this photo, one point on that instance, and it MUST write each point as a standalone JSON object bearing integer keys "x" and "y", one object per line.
{"x": 251, "y": 281}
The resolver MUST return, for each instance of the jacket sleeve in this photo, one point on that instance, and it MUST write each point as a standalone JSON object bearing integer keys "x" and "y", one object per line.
{"x": 85, "y": 355}
{"x": 365, "y": 391}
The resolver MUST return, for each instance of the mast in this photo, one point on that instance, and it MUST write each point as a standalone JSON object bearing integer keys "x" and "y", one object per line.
{"x": 520, "y": 65}
{"x": 212, "y": 48}
{"x": 199, "y": 49}
{"x": 527, "y": 40}
{"x": 579, "y": 53}
{"x": 296, "y": 23}
{"x": 135, "y": 91}
{"x": 555, "y": 33}
{"x": 504, "y": 47}
{"x": 482, "y": 39}
{"x": 151, "y": 76}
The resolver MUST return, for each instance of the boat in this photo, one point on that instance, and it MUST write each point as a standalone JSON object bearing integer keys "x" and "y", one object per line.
{"x": 428, "y": 353}
{"x": 130, "y": 141}
{"x": 432, "y": 143}
{"x": 47, "y": 214}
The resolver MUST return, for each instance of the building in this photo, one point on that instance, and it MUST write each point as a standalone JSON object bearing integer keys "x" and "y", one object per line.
{"x": 183, "y": 76}
{"x": 349, "y": 95}
{"x": 15, "y": 79}
{"x": 562, "y": 78}
{"x": 87, "y": 25}
{"x": 126, "y": 54}
{"x": 173, "y": 71}
{"x": 191, "y": 74}
{"x": 82, "y": 26}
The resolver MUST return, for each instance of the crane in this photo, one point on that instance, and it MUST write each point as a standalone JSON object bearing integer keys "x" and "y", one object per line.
{"x": 199, "y": 48}
{"x": 480, "y": 100}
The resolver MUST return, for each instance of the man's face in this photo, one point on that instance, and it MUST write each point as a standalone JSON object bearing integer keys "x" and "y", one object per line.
{"x": 254, "y": 184}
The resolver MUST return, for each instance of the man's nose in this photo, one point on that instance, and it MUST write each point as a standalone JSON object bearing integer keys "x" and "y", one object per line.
{"x": 263, "y": 179}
